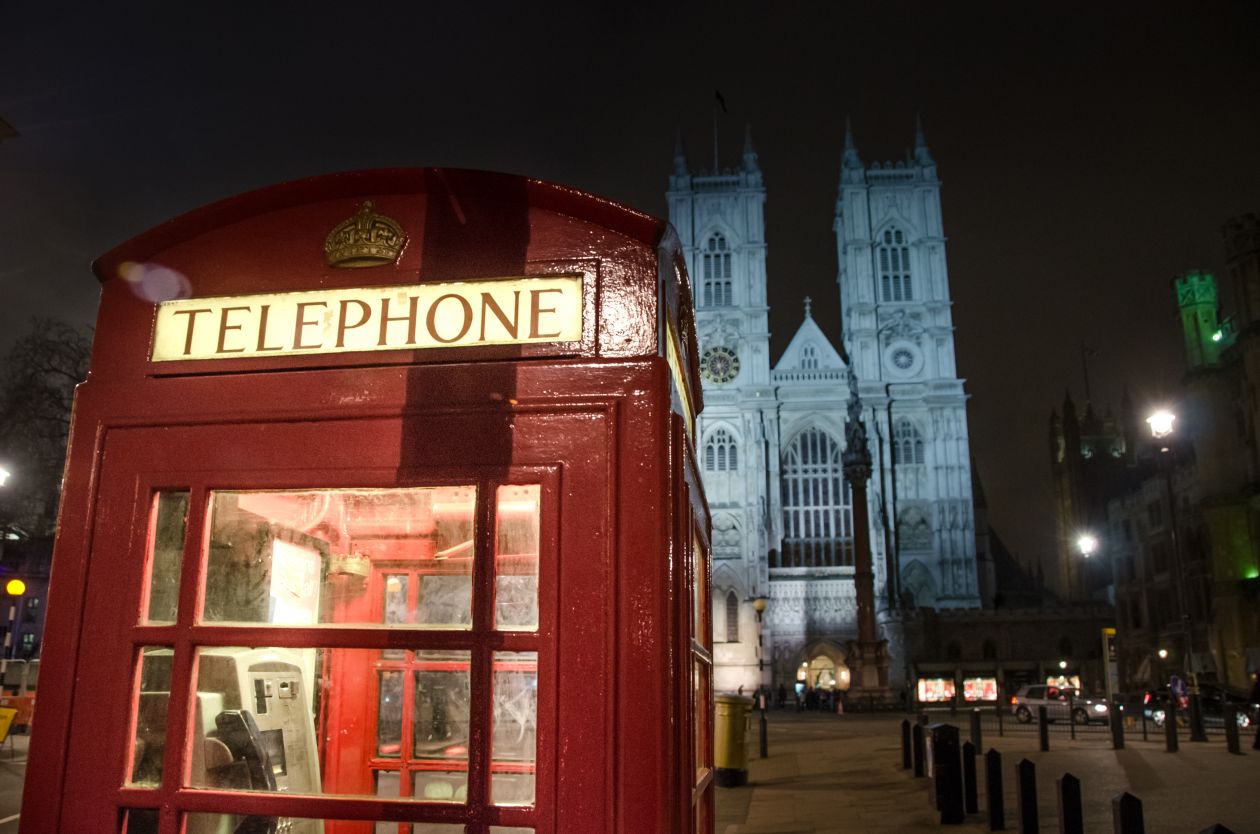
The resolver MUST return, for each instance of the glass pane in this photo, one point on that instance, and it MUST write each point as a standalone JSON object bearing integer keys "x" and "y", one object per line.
{"x": 440, "y": 729}
{"x": 166, "y": 552}
{"x": 700, "y": 597}
{"x": 514, "y": 743}
{"x": 141, "y": 821}
{"x": 516, "y": 558}
{"x": 229, "y": 823}
{"x": 308, "y": 557}
{"x": 301, "y": 721}
{"x": 151, "y": 704}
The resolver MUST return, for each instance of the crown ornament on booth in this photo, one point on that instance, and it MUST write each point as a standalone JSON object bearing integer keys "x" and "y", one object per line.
{"x": 367, "y": 239}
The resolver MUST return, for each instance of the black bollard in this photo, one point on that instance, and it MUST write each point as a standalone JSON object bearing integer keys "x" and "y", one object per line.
{"x": 975, "y": 728}
{"x": 1072, "y": 714}
{"x": 1126, "y": 814}
{"x": 971, "y": 801}
{"x": 993, "y": 790}
{"x": 765, "y": 752}
{"x": 1170, "y": 725}
{"x": 947, "y": 782}
{"x": 1026, "y": 797}
{"x": 1043, "y": 728}
{"x": 1071, "y": 819}
{"x": 923, "y": 718}
{"x": 999, "y": 710}
{"x": 1144, "y": 735}
{"x": 907, "y": 759}
{"x": 918, "y": 749}
{"x": 1197, "y": 733}
{"x": 1216, "y": 829}
{"x": 1231, "y": 729}
{"x": 1117, "y": 726}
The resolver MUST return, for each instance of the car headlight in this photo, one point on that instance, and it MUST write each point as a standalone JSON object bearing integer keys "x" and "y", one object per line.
{"x": 1100, "y": 707}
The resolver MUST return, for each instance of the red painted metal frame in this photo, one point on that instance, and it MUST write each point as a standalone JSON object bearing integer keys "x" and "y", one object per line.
{"x": 596, "y": 422}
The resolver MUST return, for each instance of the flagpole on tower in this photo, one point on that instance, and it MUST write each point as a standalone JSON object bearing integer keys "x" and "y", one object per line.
{"x": 718, "y": 101}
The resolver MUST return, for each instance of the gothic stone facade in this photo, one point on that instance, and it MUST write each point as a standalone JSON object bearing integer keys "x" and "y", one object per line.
{"x": 771, "y": 436}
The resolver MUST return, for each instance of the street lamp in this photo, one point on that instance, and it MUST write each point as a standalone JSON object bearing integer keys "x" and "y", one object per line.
{"x": 1087, "y": 545}
{"x": 1161, "y": 423}
{"x": 5, "y": 475}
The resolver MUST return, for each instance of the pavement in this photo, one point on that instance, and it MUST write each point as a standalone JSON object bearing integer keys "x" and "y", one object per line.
{"x": 828, "y": 774}
{"x": 12, "y": 776}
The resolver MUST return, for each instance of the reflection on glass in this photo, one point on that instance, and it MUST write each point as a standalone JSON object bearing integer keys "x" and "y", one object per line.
{"x": 514, "y": 742}
{"x": 516, "y": 558}
{"x": 440, "y": 726}
{"x": 305, "y": 557}
{"x": 166, "y": 552}
{"x": 152, "y": 700}
{"x": 700, "y": 599}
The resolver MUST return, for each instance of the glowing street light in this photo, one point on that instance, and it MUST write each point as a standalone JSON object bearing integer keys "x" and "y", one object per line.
{"x": 5, "y": 474}
{"x": 1087, "y": 544}
{"x": 1161, "y": 423}
{"x": 1163, "y": 654}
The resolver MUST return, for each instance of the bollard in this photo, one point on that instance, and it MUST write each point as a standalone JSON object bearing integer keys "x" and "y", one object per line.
{"x": 765, "y": 752}
{"x": 944, "y": 758}
{"x": 907, "y": 760}
{"x": 1170, "y": 724}
{"x": 1126, "y": 814}
{"x": 971, "y": 801}
{"x": 1197, "y": 733}
{"x": 1117, "y": 726}
{"x": 918, "y": 749}
{"x": 998, "y": 709}
{"x": 993, "y": 790}
{"x": 1231, "y": 729}
{"x": 1144, "y": 736}
{"x": 923, "y": 718}
{"x": 975, "y": 728}
{"x": 1216, "y": 829}
{"x": 1043, "y": 729}
{"x": 1026, "y": 797}
{"x": 1071, "y": 818}
{"x": 1072, "y": 714}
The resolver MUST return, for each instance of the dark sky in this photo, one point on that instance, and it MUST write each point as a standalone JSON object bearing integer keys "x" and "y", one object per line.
{"x": 1089, "y": 151}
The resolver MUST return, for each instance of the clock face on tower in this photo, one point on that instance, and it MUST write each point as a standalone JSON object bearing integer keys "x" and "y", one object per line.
{"x": 719, "y": 364}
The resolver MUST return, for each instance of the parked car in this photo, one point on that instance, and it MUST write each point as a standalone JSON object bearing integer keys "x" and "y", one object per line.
{"x": 1061, "y": 703}
{"x": 1212, "y": 699}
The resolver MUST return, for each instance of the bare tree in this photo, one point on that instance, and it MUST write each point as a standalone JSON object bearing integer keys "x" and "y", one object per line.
{"x": 37, "y": 384}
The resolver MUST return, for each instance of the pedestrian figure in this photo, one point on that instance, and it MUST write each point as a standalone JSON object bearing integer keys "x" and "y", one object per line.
{"x": 782, "y": 696}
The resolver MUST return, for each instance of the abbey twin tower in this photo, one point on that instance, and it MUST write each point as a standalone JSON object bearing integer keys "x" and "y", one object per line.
{"x": 770, "y": 438}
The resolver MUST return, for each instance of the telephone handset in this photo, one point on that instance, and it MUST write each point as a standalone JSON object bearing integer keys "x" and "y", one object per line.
{"x": 249, "y": 766}
{"x": 236, "y": 758}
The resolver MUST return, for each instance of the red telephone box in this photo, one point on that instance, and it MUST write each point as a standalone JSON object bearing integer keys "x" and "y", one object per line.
{"x": 381, "y": 514}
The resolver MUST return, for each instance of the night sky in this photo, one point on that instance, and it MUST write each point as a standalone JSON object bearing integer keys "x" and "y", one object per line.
{"x": 1088, "y": 151}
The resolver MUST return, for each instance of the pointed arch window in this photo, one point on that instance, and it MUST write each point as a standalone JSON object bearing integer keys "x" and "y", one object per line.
{"x": 809, "y": 358}
{"x": 715, "y": 270}
{"x": 732, "y": 617}
{"x": 721, "y": 454}
{"x": 907, "y": 443}
{"x": 817, "y": 507}
{"x": 894, "y": 267}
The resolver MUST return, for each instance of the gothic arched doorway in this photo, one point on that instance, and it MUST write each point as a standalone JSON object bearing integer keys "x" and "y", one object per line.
{"x": 822, "y": 666}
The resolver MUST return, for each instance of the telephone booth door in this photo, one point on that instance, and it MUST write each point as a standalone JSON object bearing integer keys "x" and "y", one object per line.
{"x": 419, "y": 663}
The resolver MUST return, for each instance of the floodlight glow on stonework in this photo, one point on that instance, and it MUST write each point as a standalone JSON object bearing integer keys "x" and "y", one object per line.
{"x": 1161, "y": 423}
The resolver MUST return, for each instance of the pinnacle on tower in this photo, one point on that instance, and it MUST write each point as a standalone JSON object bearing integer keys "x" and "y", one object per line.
{"x": 851, "y": 159}
{"x": 680, "y": 156}
{"x": 808, "y": 302}
{"x": 921, "y": 153}
{"x": 750, "y": 155}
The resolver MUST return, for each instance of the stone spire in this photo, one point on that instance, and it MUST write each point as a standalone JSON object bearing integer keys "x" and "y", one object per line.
{"x": 921, "y": 153}
{"x": 808, "y": 301}
{"x": 750, "y": 155}
{"x": 850, "y": 161}
{"x": 680, "y": 156}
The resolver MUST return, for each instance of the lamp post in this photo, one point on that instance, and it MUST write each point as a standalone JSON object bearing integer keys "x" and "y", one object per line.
{"x": 1161, "y": 423}
{"x": 759, "y": 604}
{"x": 1087, "y": 546}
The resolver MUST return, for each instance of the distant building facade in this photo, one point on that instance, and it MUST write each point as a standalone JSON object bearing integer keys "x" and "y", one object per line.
{"x": 772, "y": 433}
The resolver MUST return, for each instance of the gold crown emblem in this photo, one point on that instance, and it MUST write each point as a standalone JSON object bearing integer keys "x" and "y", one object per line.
{"x": 367, "y": 239}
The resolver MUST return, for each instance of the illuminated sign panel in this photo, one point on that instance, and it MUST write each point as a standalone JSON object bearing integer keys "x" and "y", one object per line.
{"x": 464, "y": 314}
